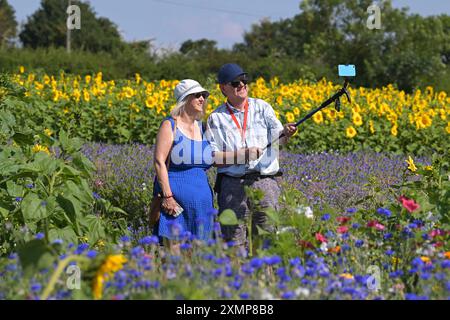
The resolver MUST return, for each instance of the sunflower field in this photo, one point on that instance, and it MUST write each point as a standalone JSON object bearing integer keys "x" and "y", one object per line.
{"x": 131, "y": 110}
{"x": 365, "y": 203}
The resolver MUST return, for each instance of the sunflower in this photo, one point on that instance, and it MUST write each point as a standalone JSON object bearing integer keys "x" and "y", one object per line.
{"x": 394, "y": 131}
{"x": 357, "y": 120}
{"x": 411, "y": 165}
{"x": 351, "y": 132}
{"x": 290, "y": 117}
{"x": 318, "y": 117}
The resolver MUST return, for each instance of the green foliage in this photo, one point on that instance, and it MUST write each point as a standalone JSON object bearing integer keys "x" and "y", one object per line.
{"x": 41, "y": 191}
{"x": 8, "y": 23}
{"x": 47, "y": 28}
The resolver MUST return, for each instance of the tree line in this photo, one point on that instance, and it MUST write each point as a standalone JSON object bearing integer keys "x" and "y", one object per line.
{"x": 409, "y": 50}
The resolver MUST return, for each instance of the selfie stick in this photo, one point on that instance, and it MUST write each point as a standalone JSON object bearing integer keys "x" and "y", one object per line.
{"x": 335, "y": 98}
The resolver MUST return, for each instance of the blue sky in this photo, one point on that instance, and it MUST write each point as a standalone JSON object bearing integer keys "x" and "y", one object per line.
{"x": 170, "y": 22}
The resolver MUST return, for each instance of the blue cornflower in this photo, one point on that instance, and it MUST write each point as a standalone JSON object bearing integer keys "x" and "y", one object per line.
{"x": 256, "y": 263}
{"x": 359, "y": 243}
{"x": 81, "y": 248}
{"x": 287, "y": 295}
{"x": 217, "y": 272}
{"x": 137, "y": 251}
{"x": 425, "y": 276}
{"x": 228, "y": 270}
{"x": 247, "y": 269}
{"x": 208, "y": 256}
{"x": 281, "y": 271}
{"x": 295, "y": 261}
{"x": 244, "y": 295}
{"x": 410, "y": 296}
{"x": 236, "y": 284}
{"x": 18, "y": 199}
{"x": 352, "y": 210}
{"x": 125, "y": 239}
{"x": 185, "y": 246}
{"x": 36, "y": 287}
{"x": 148, "y": 240}
{"x": 91, "y": 254}
{"x": 384, "y": 212}
{"x": 355, "y": 225}
{"x": 309, "y": 253}
{"x": 58, "y": 241}
{"x": 326, "y": 217}
{"x": 29, "y": 186}
{"x": 389, "y": 252}
{"x": 281, "y": 286}
{"x": 13, "y": 256}
{"x": 39, "y": 236}
{"x": 425, "y": 236}
{"x": 266, "y": 244}
{"x": 387, "y": 236}
{"x": 417, "y": 262}
{"x": 272, "y": 260}
{"x": 329, "y": 234}
{"x": 445, "y": 264}
{"x": 345, "y": 247}
{"x": 413, "y": 225}
{"x": 96, "y": 195}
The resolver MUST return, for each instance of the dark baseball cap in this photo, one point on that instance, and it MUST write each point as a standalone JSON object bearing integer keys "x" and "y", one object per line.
{"x": 228, "y": 72}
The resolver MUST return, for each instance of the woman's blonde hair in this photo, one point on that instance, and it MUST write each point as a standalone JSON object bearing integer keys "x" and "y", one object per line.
{"x": 181, "y": 105}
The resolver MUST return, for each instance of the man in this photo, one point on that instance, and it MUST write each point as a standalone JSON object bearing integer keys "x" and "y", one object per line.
{"x": 239, "y": 130}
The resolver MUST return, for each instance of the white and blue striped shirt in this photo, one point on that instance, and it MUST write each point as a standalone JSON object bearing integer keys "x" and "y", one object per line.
{"x": 262, "y": 127}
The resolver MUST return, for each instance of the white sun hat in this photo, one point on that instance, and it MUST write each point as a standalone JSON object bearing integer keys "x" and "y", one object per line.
{"x": 187, "y": 87}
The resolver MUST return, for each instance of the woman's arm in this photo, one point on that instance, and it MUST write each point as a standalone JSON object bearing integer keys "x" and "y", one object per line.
{"x": 164, "y": 141}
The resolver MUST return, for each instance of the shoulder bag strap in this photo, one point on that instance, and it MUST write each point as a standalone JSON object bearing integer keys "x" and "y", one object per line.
{"x": 170, "y": 152}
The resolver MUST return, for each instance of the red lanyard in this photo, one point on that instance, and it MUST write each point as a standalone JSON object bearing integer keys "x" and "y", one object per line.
{"x": 244, "y": 127}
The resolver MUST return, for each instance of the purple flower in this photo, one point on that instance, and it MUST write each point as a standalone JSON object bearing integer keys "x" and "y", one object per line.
{"x": 125, "y": 239}
{"x": 244, "y": 295}
{"x": 39, "y": 236}
{"x": 148, "y": 240}
{"x": 287, "y": 295}
{"x": 256, "y": 263}
{"x": 385, "y": 212}
{"x": 91, "y": 254}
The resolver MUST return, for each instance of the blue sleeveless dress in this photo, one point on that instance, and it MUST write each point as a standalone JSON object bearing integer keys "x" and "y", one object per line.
{"x": 190, "y": 187}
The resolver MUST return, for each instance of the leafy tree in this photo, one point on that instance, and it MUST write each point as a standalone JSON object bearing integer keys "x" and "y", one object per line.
{"x": 409, "y": 50}
{"x": 8, "y": 23}
{"x": 47, "y": 27}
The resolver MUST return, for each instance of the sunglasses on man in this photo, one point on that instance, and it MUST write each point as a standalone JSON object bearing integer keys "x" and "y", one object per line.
{"x": 237, "y": 83}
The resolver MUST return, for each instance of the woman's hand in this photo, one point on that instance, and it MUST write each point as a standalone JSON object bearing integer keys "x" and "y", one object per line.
{"x": 170, "y": 205}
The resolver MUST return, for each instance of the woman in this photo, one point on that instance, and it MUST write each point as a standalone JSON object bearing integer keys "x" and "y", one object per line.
{"x": 184, "y": 186}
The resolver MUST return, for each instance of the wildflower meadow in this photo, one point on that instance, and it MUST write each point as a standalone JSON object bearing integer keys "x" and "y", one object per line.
{"x": 364, "y": 207}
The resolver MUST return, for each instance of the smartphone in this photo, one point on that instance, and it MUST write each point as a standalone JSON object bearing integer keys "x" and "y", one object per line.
{"x": 178, "y": 211}
{"x": 347, "y": 70}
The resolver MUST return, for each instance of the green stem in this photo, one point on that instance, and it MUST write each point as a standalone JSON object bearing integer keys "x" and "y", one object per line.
{"x": 55, "y": 276}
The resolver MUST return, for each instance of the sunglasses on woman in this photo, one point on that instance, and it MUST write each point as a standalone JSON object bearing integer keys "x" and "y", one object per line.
{"x": 205, "y": 95}
{"x": 237, "y": 83}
